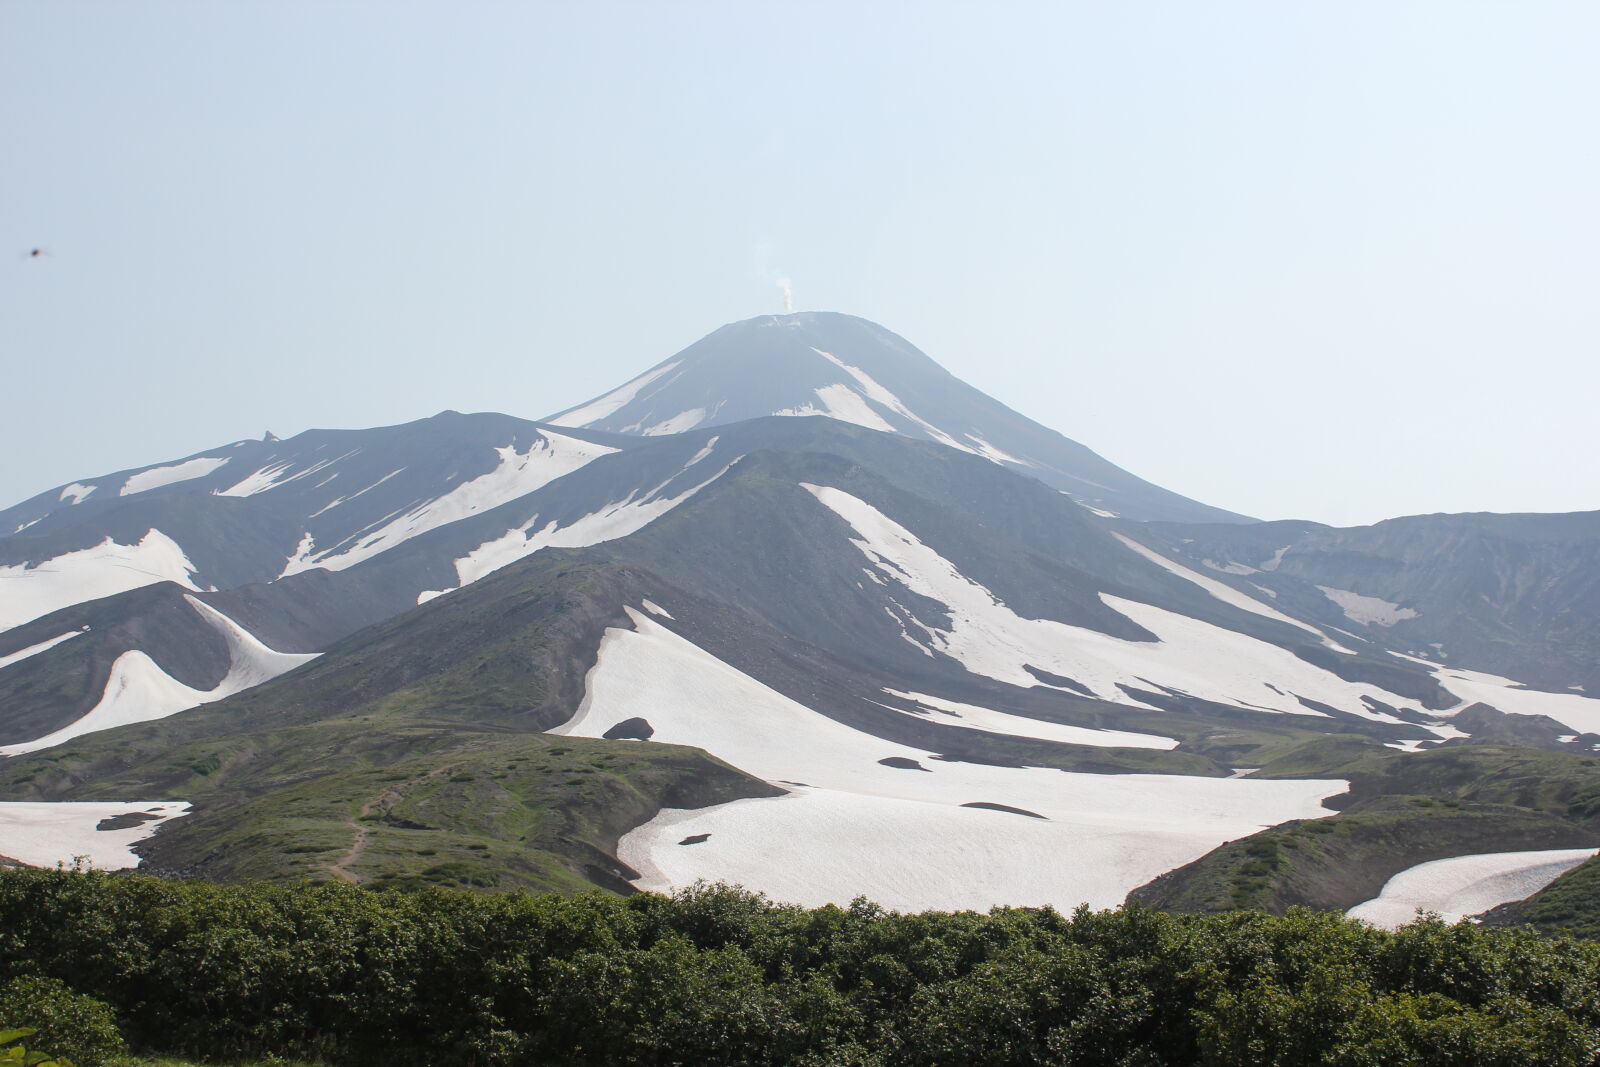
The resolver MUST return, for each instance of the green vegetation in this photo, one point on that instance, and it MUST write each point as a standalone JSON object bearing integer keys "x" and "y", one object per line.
{"x": 69, "y": 1025}
{"x": 1557, "y": 783}
{"x": 338, "y": 974}
{"x": 1569, "y": 905}
{"x": 13, "y": 1050}
{"x": 410, "y": 756}
{"x": 1402, "y": 809}
{"x": 1341, "y": 861}
{"x": 429, "y": 805}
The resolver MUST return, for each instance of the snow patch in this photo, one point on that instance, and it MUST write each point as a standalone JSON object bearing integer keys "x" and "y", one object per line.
{"x": 686, "y": 420}
{"x": 29, "y": 592}
{"x": 251, "y": 661}
{"x": 1577, "y": 711}
{"x": 44, "y": 834}
{"x": 138, "y": 690}
{"x": 1466, "y": 885}
{"x": 75, "y": 492}
{"x": 615, "y": 520}
{"x": 1368, "y": 609}
{"x": 656, "y": 609}
{"x": 843, "y": 403}
{"x": 34, "y": 650}
{"x": 301, "y": 559}
{"x": 352, "y": 496}
{"x": 1225, "y": 593}
{"x": 156, "y": 477}
{"x": 275, "y": 475}
{"x": 1190, "y": 656}
{"x": 972, "y": 717}
{"x": 705, "y": 450}
{"x": 884, "y": 398}
{"x": 517, "y": 474}
{"x": 258, "y": 481}
{"x": 599, "y": 408}
{"x": 990, "y": 452}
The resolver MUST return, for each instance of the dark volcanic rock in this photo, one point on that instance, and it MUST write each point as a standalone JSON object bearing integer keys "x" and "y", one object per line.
{"x": 634, "y": 729}
{"x": 987, "y": 806}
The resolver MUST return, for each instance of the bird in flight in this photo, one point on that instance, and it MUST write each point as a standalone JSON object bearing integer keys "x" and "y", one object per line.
{"x": 36, "y": 253}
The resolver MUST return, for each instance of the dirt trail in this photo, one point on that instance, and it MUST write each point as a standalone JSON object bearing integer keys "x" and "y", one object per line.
{"x": 344, "y": 869}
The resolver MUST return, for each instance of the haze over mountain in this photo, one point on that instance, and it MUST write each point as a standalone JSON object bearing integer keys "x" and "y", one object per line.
{"x": 948, "y": 656}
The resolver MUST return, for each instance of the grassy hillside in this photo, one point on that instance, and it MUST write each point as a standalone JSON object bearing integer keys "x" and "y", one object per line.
{"x": 1569, "y": 905}
{"x": 410, "y": 755}
{"x": 1402, "y": 809}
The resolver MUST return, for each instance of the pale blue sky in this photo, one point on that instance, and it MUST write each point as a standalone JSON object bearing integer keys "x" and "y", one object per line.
{"x": 1325, "y": 260}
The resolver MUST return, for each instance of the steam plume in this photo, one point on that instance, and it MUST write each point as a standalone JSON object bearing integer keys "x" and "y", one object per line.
{"x": 788, "y": 294}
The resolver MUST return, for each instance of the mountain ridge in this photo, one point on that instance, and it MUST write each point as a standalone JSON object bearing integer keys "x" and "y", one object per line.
{"x": 902, "y": 647}
{"x": 855, "y": 370}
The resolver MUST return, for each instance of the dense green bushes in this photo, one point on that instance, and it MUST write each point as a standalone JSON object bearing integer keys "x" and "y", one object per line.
{"x": 719, "y": 976}
{"x": 66, "y": 1023}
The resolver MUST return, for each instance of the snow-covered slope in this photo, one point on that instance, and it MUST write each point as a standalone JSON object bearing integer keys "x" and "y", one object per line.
{"x": 822, "y": 363}
{"x": 138, "y": 690}
{"x": 148, "y": 655}
{"x": 31, "y": 590}
{"x": 1515, "y": 595}
{"x": 255, "y": 511}
{"x": 907, "y": 835}
{"x": 234, "y": 522}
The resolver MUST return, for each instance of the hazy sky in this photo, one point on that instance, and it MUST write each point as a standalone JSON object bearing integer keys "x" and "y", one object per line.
{"x": 1335, "y": 260}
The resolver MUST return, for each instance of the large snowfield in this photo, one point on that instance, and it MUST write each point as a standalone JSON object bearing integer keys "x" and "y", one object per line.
{"x": 1466, "y": 885}
{"x": 902, "y": 836}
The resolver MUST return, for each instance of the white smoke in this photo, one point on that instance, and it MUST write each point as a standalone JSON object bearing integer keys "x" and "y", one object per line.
{"x": 788, "y": 294}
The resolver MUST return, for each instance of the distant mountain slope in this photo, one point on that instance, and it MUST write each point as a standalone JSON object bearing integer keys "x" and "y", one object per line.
{"x": 922, "y": 671}
{"x": 857, "y": 613}
{"x": 1516, "y": 595}
{"x": 160, "y": 618}
{"x": 824, "y": 363}
{"x": 255, "y": 511}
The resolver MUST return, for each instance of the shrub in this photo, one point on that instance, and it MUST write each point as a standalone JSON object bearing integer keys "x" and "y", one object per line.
{"x": 64, "y": 1023}
{"x": 13, "y": 1050}
{"x": 716, "y": 975}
